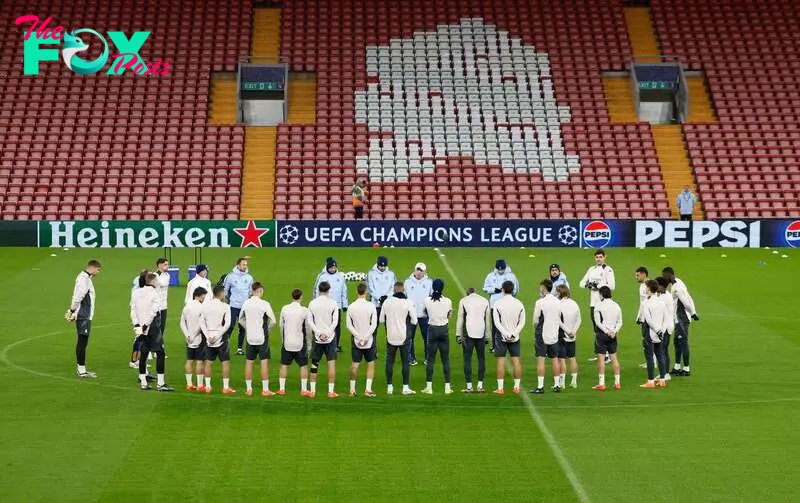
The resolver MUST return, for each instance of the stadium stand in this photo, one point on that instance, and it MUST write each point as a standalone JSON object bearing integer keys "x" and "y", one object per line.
{"x": 123, "y": 147}
{"x": 126, "y": 147}
{"x": 747, "y": 164}
{"x": 619, "y": 175}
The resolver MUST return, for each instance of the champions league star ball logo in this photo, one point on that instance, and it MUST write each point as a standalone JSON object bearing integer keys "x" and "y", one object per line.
{"x": 567, "y": 234}
{"x": 465, "y": 90}
{"x": 289, "y": 234}
{"x": 792, "y": 234}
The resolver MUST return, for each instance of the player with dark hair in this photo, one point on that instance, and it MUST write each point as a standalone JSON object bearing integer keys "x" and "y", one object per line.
{"x": 362, "y": 322}
{"x": 195, "y": 341}
{"x": 323, "y": 318}
{"x": 473, "y": 318}
{"x": 547, "y": 324}
{"x": 81, "y": 311}
{"x": 685, "y": 312}
{"x": 258, "y": 319}
{"x": 570, "y": 323}
{"x": 656, "y": 316}
{"x": 216, "y": 322}
{"x": 437, "y": 309}
{"x": 599, "y": 275}
{"x": 607, "y": 322}
{"x": 508, "y": 315}
{"x": 295, "y": 336}
{"x": 138, "y": 282}
{"x": 146, "y": 318}
{"x": 400, "y": 316}
{"x": 666, "y": 297}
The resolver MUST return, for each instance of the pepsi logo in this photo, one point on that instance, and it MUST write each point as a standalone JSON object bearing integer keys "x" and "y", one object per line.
{"x": 597, "y": 234}
{"x": 793, "y": 234}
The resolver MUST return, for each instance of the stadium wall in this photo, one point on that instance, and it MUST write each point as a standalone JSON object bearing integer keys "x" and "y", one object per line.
{"x": 747, "y": 233}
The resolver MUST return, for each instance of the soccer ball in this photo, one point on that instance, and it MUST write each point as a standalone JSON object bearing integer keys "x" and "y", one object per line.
{"x": 348, "y": 276}
{"x": 360, "y": 276}
{"x": 567, "y": 234}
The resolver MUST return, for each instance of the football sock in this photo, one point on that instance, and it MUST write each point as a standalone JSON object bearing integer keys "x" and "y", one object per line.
{"x": 161, "y": 379}
{"x": 447, "y": 387}
{"x": 352, "y": 386}
{"x": 208, "y": 382}
{"x": 601, "y": 379}
{"x": 561, "y": 381}
{"x": 428, "y": 385}
{"x": 282, "y": 383}
{"x": 82, "y": 369}
{"x": 330, "y": 387}
{"x": 406, "y": 387}
{"x": 677, "y": 366}
{"x": 188, "y": 379}
{"x": 540, "y": 380}
{"x": 480, "y": 384}
{"x": 500, "y": 384}
{"x": 389, "y": 389}
{"x": 248, "y": 384}
{"x": 556, "y": 380}
{"x": 369, "y": 385}
{"x": 199, "y": 380}
{"x": 313, "y": 386}
{"x": 143, "y": 379}
{"x": 686, "y": 368}
{"x": 516, "y": 382}
{"x": 575, "y": 378}
{"x": 469, "y": 385}
{"x": 616, "y": 379}
{"x": 303, "y": 384}
{"x": 265, "y": 384}
{"x": 226, "y": 383}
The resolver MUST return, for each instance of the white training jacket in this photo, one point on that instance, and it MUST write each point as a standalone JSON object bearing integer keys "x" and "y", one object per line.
{"x": 323, "y": 316}
{"x": 509, "y": 317}
{"x": 669, "y": 302}
{"x": 608, "y": 316}
{"x": 548, "y": 310}
{"x": 438, "y": 311}
{"x": 362, "y": 320}
{"x": 657, "y": 317}
{"x": 197, "y": 282}
{"x": 215, "y": 321}
{"x": 191, "y": 319}
{"x": 254, "y": 312}
{"x": 397, "y": 313}
{"x": 83, "y": 307}
{"x": 162, "y": 287}
{"x": 643, "y": 292}
{"x": 570, "y": 318}
{"x": 473, "y": 313}
{"x": 603, "y": 275}
{"x": 144, "y": 307}
{"x": 294, "y": 327}
{"x": 680, "y": 294}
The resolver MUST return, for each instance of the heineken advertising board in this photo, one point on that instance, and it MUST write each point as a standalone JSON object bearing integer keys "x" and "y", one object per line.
{"x": 157, "y": 234}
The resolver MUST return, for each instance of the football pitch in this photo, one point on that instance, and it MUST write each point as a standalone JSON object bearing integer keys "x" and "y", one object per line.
{"x": 726, "y": 433}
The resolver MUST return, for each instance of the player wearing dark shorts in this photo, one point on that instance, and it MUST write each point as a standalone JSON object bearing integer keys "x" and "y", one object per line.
{"x": 195, "y": 341}
{"x": 546, "y": 320}
{"x": 362, "y": 322}
{"x": 257, "y": 318}
{"x": 569, "y": 325}
{"x": 295, "y": 334}
{"x": 146, "y": 322}
{"x": 216, "y": 320}
{"x": 608, "y": 319}
{"x": 508, "y": 316}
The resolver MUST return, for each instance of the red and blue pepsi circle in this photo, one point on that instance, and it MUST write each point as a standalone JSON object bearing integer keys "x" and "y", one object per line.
{"x": 596, "y": 234}
{"x": 792, "y": 234}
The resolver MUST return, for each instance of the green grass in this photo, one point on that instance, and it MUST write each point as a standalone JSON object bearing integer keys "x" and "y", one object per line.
{"x": 725, "y": 434}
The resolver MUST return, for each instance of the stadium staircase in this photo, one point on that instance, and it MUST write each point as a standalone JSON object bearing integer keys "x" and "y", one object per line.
{"x": 676, "y": 169}
{"x": 302, "y": 98}
{"x": 619, "y": 99}
{"x": 258, "y": 177}
{"x": 222, "y": 105}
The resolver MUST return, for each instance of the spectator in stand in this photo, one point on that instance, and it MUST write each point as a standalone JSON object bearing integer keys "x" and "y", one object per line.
{"x": 685, "y": 203}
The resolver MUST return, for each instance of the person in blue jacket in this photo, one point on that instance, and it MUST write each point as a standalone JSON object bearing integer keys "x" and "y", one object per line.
{"x": 418, "y": 288}
{"x": 380, "y": 283}
{"x": 558, "y": 278}
{"x": 237, "y": 286}
{"x": 493, "y": 285}
{"x": 338, "y": 292}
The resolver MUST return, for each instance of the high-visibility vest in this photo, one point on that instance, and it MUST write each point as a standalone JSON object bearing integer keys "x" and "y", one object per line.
{"x": 358, "y": 195}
